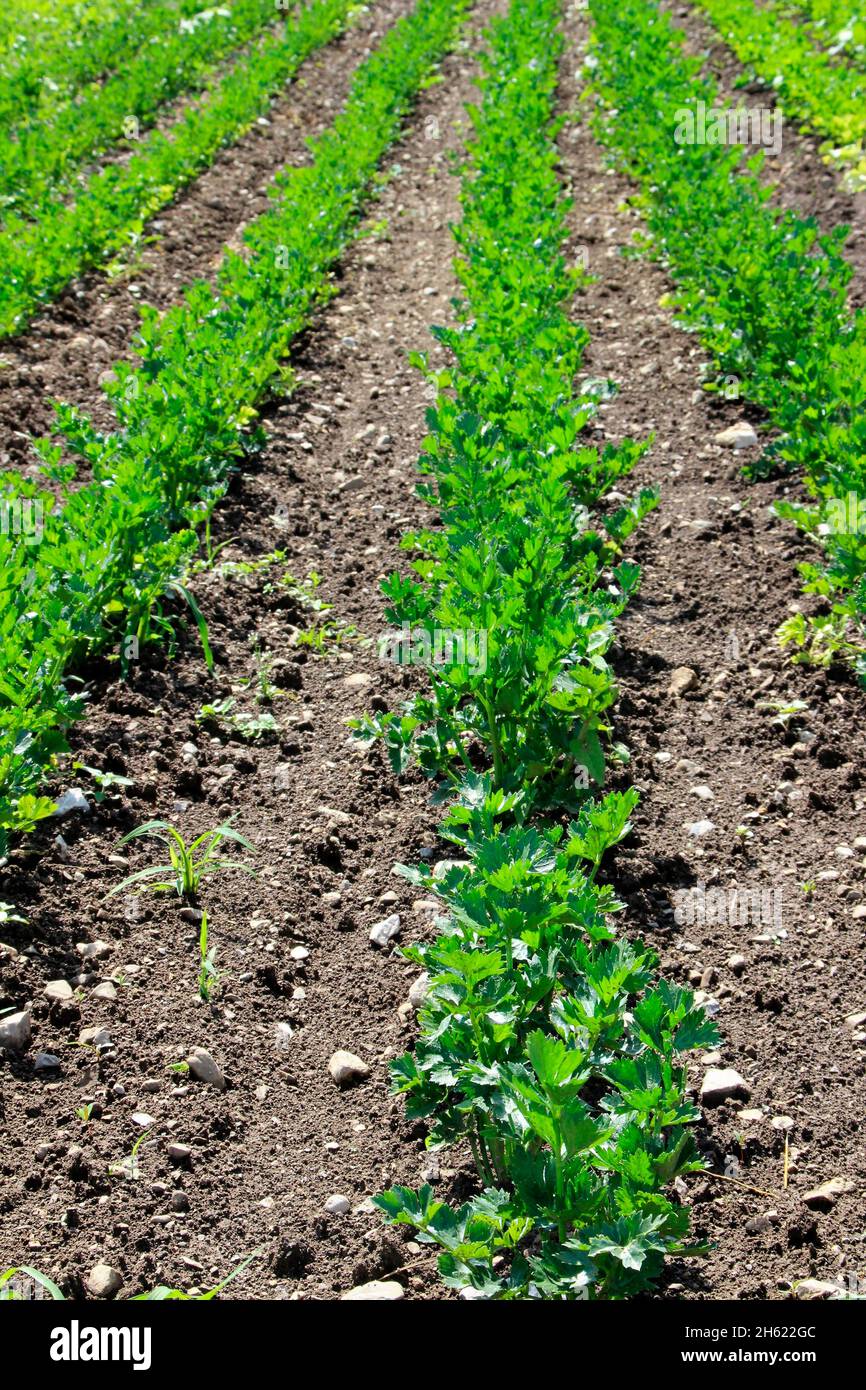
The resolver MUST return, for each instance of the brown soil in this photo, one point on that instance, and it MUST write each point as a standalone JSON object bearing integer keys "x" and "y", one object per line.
{"x": 333, "y": 490}
{"x": 719, "y": 577}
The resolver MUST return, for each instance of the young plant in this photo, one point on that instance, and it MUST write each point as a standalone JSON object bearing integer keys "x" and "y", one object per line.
{"x": 189, "y": 865}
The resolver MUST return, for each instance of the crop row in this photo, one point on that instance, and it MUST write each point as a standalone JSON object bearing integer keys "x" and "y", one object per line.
{"x": 43, "y": 66}
{"x": 39, "y": 158}
{"x": 37, "y": 259}
{"x": 543, "y": 1040}
{"x": 825, "y": 95}
{"x": 836, "y": 26}
{"x": 765, "y": 291}
{"x": 103, "y": 569}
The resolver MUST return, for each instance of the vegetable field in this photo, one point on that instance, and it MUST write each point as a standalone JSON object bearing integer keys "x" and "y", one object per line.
{"x": 433, "y": 600}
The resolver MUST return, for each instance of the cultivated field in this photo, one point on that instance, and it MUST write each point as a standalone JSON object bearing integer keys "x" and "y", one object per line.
{"x": 433, "y": 600}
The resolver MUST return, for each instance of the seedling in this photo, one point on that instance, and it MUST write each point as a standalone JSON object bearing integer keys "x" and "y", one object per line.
{"x": 84, "y": 1113}
{"x": 189, "y": 865}
{"x": 129, "y": 1167}
{"x": 106, "y": 782}
{"x": 786, "y": 711}
{"x": 8, "y": 913}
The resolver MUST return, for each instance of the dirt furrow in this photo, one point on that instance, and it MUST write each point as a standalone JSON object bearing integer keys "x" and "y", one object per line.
{"x": 333, "y": 490}
{"x": 774, "y": 809}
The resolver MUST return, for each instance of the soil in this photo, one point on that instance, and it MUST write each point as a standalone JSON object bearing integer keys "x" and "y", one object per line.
{"x": 333, "y": 492}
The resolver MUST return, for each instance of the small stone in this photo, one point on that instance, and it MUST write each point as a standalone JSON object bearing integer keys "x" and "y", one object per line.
{"x": 384, "y": 932}
{"x": 93, "y": 950}
{"x": 698, "y": 828}
{"x": 683, "y": 678}
{"x": 723, "y": 1083}
{"x": 337, "y": 1205}
{"x": 203, "y": 1067}
{"x": 15, "y": 1031}
{"x": 377, "y": 1291}
{"x": 815, "y": 1288}
{"x": 299, "y": 953}
{"x": 418, "y": 990}
{"x": 179, "y": 1152}
{"x": 739, "y": 436}
{"x": 782, "y": 1122}
{"x": 105, "y": 991}
{"x": 358, "y": 680}
{"x": 59, "y": 989}
{"x": 824, "y": 1196}
{"x": 94, "y": 1037}
{"x": 702, "y": 792}
{"x": 851, "y": 1021}
{"x": 345, "y": 1067}
{"x": 142, "y": 1119}
{"x": 751, "y": 1116}
{"x": 737, "y": 964}
{"x": 332, "y": 899}
{"x": 103, "y": 1281}
{"x": 284, "y": 1034}
{"x": 73, "y": 800}
{"x": 335, "y": 815}
{"x": 46, "y": 1061}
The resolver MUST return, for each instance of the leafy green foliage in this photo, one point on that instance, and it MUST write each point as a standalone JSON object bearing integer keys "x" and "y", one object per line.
{"x": 764, "y": 289}
{"x": 189, "y": 864}
{"x": 520, "y": 558}
{"x": 543, "y": 1040}
{"x": 108, "y": 570}
{"x": 45, "y": 244}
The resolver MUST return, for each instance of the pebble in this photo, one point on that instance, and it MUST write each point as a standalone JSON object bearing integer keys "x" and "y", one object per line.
{"x": 697, "y": 828}
{"x": 72, "y": 800}
{"x": 46, "y": 1061}
{"x": 703, "y": 792}
{"x": 93, "y": 950}
{"x": 851, "y": 1021}
{"x": 299, "y": 953}
{"x": 15, "y": 1031}
{"x": 94, "y": 1037}
{"x": 141, "y": 1118}
{"x": 179, "y": 1152}
{"x": 332, "y": 899}
{"x": 338, "y": 1205}
{"x": 737, "y": 964}
{"x": 751, "y": 1116}
{"x": 105, "y": 991}
{"x": 358, "y": 680}
{"x": 824, "y": 1196}
{"x": 346, "y": 1067}
{"x": 815, "y": 1288}
{"x": 683, "y": 678}
{"x": 383, "y": 932}
{"x": 739, "y": 436}
{"x": 419, "y": 989}
{"x": 332, "y": 813}
{"x": 58, "y": 989}
{"x": 377, "y": 1291}
{"x": 782, "y": 1122}
{"x": 723, "y": 1083}
{"x": 203, "y": 1067}
{"x": 103, "y": 1281}
{"x": 284, "y": 1034}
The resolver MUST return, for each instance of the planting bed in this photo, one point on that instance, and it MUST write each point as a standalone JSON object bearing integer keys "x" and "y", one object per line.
{"x": 749, "y": 767}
